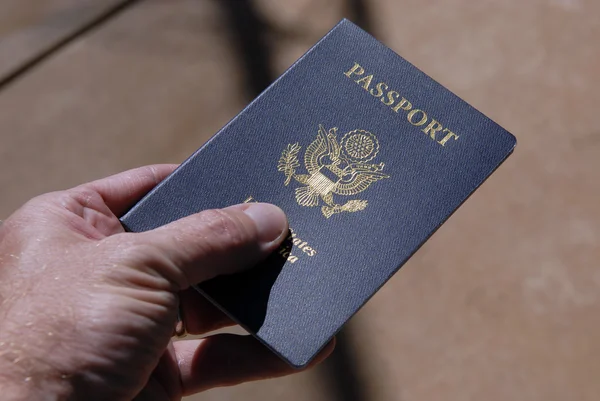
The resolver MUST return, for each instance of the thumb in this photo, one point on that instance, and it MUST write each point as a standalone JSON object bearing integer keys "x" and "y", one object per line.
{"x": 220, "y": 241}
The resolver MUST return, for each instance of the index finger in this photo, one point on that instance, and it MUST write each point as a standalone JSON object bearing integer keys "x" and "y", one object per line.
{"x": 121, "y": 191}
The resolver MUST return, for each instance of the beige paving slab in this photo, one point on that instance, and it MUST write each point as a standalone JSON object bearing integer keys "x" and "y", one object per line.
{"x": 29, "y": 28}
{"x": 149, "y": 87}
{"x": 504, "y": 301}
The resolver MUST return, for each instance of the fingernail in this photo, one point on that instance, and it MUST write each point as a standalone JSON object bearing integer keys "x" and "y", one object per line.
{"x": 270, "y": 221}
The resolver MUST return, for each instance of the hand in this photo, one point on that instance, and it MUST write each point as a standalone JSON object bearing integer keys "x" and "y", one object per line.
{"x": 87, "y": 311}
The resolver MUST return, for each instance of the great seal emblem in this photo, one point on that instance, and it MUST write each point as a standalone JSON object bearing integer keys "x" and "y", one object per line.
{"x": 339, "y": 168}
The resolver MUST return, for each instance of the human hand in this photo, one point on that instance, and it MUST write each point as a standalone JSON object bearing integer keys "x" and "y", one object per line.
{"x": 87, "y": 310}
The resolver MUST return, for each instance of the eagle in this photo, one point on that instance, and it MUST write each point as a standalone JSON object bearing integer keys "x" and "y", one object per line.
{"x": 335, "y": 170}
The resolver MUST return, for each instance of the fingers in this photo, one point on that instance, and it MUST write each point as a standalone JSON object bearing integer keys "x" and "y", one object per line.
{"x": 200, "y": 315}
{"x": 226, "y": 360}
{"x": 122, "y": 190}
{"x": 204, "y": 245}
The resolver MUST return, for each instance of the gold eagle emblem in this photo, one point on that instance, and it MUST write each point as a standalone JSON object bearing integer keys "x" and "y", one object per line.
{"x": 339, "y": 168}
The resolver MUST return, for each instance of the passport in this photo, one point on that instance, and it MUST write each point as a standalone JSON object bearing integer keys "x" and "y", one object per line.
{"x": 365, "y": 153}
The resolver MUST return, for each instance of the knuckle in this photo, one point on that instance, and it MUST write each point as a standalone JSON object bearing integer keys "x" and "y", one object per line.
{"x": 73, "y": 200}
{"x": 128, "y": 248}
{"x": 225, "y": 227}
{"x": 79, "y": 198}
{"x": 131, "y": 259}
{"x": 82, "y": 195}
{"x": 125, "y": 249}
{"x": 118, "y": 248}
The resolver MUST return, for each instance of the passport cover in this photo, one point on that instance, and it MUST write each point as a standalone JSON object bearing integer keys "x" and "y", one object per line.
{"x": 366, "y": 154}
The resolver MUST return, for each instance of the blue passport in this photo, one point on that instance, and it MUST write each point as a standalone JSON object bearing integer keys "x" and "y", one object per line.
{"x": 366, "y": 154}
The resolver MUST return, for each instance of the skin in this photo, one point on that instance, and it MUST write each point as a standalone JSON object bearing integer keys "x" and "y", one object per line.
{"x": 87, "y": 310}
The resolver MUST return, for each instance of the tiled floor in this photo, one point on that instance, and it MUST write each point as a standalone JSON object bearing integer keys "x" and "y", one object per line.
{"x": 502, "y": 303}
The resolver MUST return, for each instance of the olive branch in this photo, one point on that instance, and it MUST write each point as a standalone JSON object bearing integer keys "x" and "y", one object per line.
{"x": 289, "y": 161}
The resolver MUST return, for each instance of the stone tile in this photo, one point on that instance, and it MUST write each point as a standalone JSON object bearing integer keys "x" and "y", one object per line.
{"x": 149, "y": 87}
{"x": 30, "y": 28}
